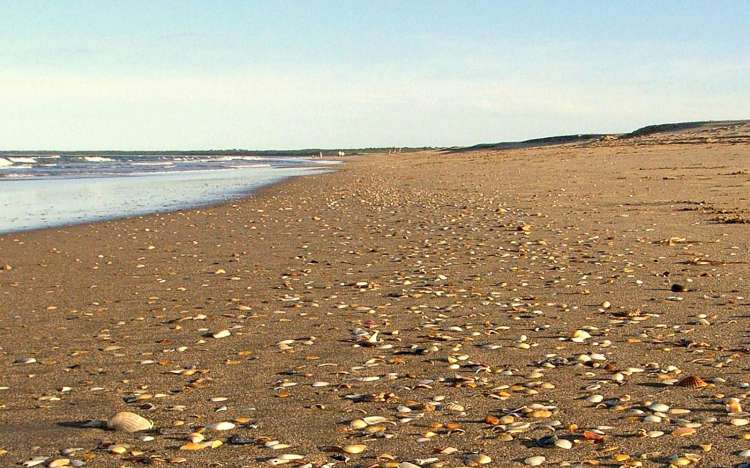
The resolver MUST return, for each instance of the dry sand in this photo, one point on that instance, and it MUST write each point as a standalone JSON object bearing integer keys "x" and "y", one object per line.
{"x": 437, "y": 291}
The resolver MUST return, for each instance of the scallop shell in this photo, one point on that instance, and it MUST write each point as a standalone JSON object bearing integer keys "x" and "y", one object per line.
{"x": 692, "y": 381}
{"x": 129, "y": 422}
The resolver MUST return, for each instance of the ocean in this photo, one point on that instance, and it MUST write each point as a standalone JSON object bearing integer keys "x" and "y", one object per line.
{"x": 57, "y": 190}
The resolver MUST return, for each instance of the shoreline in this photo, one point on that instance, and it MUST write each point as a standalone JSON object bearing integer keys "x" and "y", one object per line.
{"x": 437, "y": 292}
{"x": 185, "y": 206}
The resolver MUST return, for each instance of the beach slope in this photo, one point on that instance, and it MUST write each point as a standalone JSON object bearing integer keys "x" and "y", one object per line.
{"x": 484, "y": 305}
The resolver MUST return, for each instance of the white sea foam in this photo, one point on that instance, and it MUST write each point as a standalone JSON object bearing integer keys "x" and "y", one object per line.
{"x": 23, "y": 160}
{"x": 97, "y": 159}
{"x": 324, "y": 161}
{"x": 153, "y": 163}
{"x": 5, "y": 163}
{"x": 245, "y": 166}
{"x": 221, "y": 159}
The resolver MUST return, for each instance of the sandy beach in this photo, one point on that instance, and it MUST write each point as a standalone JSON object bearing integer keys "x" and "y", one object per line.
{"x": 583, "y": 303}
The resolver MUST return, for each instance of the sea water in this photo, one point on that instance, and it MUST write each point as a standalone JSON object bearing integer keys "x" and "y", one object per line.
{"x": 40, "y": 192}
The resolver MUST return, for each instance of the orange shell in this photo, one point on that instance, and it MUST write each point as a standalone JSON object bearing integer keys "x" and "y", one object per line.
{"x": 692, "y": 381}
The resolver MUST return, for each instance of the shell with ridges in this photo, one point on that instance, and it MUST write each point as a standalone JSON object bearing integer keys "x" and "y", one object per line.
{"x": 692, "y": 381}
{"x": 129, "y": 422}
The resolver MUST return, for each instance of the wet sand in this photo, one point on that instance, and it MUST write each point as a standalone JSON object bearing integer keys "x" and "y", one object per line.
{"x": 438, "y": 291}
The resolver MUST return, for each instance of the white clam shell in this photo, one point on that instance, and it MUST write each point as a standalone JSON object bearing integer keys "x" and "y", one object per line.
{"x": 126, "y": 421}
{"x": 222, "y": 426}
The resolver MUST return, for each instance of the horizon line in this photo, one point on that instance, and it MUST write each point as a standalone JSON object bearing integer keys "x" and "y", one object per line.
{"x": 312, "y": 149}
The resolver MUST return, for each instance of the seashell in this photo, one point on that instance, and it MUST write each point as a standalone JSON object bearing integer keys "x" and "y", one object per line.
{"x": 454, "y": 407}
{"x": 358, "y": 424}
{"x": 591, "y": 435}
{"x": 658, "y": 407}
{"x": 448, "y": 451}
{"x": 129, "y": 422}
{"x": 59, "y": 462}
{"x": 25, "y": 360}
{"x": 564, "y": 444}
{"x": 491, "y": 420}
{"x": 35, "y": 461}
{"x": 507, "y": 419}
{"x": 221, "y": 426}
{"x": 733, "y": 406}
{"x": 118, "y": 449}
{"x": 194, "y": 446}
{"x": 535, "y": 461}
{"x": 237, "y": 440}
{"x": 354, "y": 448}
{"x": 541, "y": 414}
{"x": 278, "y": 461}
{"x": 683, "y": 431}
{"x": 692, "y": 381}
{"x": 476, "y": 459}
{"x": 579, "y": 336}
{"x": 374, "y": 419}
{"x": 375, "y": 429}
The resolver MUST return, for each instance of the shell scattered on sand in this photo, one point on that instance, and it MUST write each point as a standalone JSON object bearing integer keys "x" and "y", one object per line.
{"x": 692, "y": 381}
{"x": 400, "y": 322}
{"x": 126, "y": 421}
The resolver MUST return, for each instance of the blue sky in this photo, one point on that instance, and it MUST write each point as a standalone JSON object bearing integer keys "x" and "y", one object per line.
{"x": 188, "y": 74}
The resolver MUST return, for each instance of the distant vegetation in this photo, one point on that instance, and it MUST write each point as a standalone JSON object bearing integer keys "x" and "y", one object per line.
{"x": 553, "y": 140}
{"x": 591, "y": 137}
{"x": 675, "y": 127}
